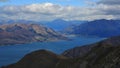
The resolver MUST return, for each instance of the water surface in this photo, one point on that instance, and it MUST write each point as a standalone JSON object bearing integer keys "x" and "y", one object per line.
{"x": 12, "y": 53}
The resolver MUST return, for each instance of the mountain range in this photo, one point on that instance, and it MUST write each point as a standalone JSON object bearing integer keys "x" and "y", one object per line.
{"x": 99, "y": 28}
{"x": 60, "y": 24}
{"x": 57, "y": 24}
{"x": 103, "y": 54}
{"x": 26, "y": 33}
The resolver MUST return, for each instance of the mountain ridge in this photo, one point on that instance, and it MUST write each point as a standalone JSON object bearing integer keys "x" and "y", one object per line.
{"x": 79, "y": 51}
{"x": 99, "y": 28}
{"x": 25, "y": 33}
{"x": 57, "y": 24}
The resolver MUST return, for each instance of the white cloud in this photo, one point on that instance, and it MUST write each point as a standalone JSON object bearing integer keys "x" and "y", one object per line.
{"x": 49, "y": 11}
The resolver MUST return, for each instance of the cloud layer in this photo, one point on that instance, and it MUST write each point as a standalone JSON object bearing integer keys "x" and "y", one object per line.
{"x": 4, "y": 0}
{"x": 109, "y": 2}
{"x": 104, "y": 9}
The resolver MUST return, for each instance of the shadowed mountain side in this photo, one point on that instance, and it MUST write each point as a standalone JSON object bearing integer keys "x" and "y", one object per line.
{"x": 82, "y": 50}
{"x": 99, "y": 28}
{"x": 38, "y": 59}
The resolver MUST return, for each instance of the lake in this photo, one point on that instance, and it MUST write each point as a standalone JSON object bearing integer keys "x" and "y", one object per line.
{"x": 13, "y": 53}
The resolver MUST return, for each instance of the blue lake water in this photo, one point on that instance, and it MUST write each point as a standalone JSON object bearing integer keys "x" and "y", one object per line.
{"x": 13, "y": 53}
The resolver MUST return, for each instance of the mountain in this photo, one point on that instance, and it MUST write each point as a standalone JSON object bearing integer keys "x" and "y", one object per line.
{"x": 60, "y": 25}
{"x": 101, "y": 28}
{"x": 38, "y": 59}
{"x": 82, "y": 50}
{"x": 57, "y": 24}
{"x": 104, "y": 54}
{"x": 25, "y": 33}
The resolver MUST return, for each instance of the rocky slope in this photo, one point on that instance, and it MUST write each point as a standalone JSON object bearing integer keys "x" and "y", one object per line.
{"x": 101, "y": 28}
{"x": 25, "y": 33}
{"x": 104, "y": 54}
{"x": 82, "y": 50}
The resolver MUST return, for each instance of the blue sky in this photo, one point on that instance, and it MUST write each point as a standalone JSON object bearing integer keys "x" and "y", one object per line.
{"x": 47, "y": 10}
{"x": 60, "y": 2}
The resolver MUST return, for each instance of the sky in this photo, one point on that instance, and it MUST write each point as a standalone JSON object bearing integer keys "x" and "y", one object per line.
{"x": 47, "y": 10}
{"x": 61, "y": 2}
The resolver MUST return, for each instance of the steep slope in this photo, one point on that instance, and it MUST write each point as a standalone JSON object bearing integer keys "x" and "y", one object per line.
{"x": 104, "y": 54}
{"x": 24, "y": 33}
{"x": 100, "y": 56}
{"x": 101, "y": 28}
{"x": 83, "y": 50}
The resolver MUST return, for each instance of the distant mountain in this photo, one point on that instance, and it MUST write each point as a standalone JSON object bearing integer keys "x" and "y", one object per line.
{"x": 104, "y": 54}
{"x": 101, "y": 28}
{"x": 25, "y": 33}
{"x": 57, "y": 24}
{"x": 60, "y": 24}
